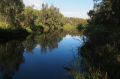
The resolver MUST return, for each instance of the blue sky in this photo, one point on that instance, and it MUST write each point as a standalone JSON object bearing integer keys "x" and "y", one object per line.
{"x": 70, "y": 8}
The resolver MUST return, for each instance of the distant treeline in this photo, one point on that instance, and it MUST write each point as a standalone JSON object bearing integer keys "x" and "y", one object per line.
{"x": 75, "y": 21}
{"x": 14, "y": 15}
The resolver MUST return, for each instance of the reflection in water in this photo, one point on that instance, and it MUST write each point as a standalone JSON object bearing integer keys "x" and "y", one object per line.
{"x": 47, "y": 56}
{"x": 25, "y": 59}
{"x": 11, "y": 56}
{"x": 46, "y": 41}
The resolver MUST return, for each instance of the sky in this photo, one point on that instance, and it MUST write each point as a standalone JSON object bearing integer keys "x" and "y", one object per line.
{"x": 69, "y": 8}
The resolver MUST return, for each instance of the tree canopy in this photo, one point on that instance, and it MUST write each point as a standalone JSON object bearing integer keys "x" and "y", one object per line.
{"x": 103, "y": 31}
{"x": 10, "y": 10}
{"x": 51, "y": 17}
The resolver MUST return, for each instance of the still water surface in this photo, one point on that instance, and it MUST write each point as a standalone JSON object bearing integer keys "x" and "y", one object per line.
{"x": 38, "y": 57}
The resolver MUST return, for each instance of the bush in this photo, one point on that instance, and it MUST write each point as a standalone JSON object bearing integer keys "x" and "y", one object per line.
{"x": 80, "y": 27}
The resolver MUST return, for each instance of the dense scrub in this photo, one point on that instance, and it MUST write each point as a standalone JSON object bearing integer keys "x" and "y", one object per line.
{"x": 102, "y": 50}
{"x": 14, "y": 16}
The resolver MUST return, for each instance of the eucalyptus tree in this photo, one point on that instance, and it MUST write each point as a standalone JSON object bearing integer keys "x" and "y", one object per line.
{"x": 10, "y": 10}
{"x": 51, "y": 17}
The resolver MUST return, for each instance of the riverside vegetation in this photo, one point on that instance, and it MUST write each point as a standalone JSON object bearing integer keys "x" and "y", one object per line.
{"x": 18, "y": 20}
{"x": 101, "y": 50}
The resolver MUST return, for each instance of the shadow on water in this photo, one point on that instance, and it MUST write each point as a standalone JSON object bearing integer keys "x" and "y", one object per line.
{"x": 38, "y": 56}
{"x": 54, "y": 55}
{"x": 11, "y": 56}
{"x": 102, "y": 64}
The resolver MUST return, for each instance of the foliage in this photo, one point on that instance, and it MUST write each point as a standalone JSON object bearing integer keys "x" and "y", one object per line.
{"x": 75, "y": 21}
{"x": 14, "y": 16}
{"x": 28, "y": 17}
{"x": 103, "y": 31}
{"x": 74, "y": 24}
{"x": 10, "y": 11}
{"x": 69, "y": 28}
{"x": 51, "y": 17}
{"x": 104, "y": 25}
{"x": 81, "y": 27}
{"x": 79, "y": 76}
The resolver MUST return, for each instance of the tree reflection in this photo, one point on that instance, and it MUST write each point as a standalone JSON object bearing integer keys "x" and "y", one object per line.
{"x": 47, "y": 41}
{"x": 11, "y": 56}
{"x": 11, "y": 52}
{"x": 30, "y": 43}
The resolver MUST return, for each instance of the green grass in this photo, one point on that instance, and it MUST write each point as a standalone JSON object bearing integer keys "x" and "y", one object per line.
{"x": 79, "y": 76}
{"x": 70, "y": 28}
{"x": 3, "y": 25}
{"x": 91, "y": 75}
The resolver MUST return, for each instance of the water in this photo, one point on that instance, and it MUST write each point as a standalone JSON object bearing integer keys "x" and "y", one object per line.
{"x": 39, "y": 57}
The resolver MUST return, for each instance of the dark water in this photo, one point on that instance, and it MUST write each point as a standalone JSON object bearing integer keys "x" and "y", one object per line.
{"x": 39, "y": 57}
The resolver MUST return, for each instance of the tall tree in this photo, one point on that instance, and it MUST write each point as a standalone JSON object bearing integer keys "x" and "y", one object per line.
{"x": 106, "y": 12}
{"x": 10, "y": 10}
{"x": 103, "y": 32}
{"x": 51, "y": 17}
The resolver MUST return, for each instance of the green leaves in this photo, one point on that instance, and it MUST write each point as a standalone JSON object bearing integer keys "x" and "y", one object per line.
{"x": 10, "y": 9}
{"x": 51, "y": 17}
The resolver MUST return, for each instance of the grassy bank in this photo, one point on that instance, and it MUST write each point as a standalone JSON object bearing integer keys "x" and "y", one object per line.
{"x": 70, "y": 28}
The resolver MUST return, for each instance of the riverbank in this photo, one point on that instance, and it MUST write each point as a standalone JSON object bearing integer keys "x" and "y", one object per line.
{"x": 6, "y": 34}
